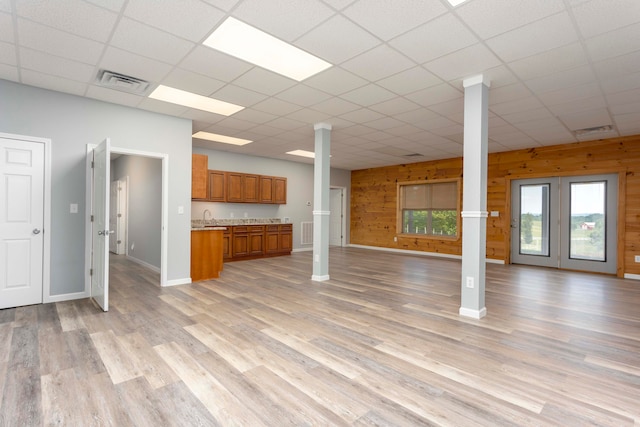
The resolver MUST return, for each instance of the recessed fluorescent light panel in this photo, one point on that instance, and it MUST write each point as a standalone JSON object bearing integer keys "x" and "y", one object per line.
{"x": 220, "y": 138}
{"x": 454, "y": 3}
{"x": 257, "y": 47}
{"x": 192, "y": 100}
{"x": 303, "y": 153}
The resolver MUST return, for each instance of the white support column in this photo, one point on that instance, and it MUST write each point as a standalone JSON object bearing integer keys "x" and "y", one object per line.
{"x": 474, "y": 199}
{"x": 321, "y": 207}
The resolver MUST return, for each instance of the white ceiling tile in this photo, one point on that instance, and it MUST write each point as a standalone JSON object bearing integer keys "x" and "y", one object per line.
{"x": 559, "y": 59}
{"x": 239, "y": 95}
{"x": 303, "y": 95}
{"x": 387, "y": 19}
{"x": 284, "y": 19}
{"x": 518, "y": 106}
{"x": 363, "y": 115}
{"x": 309, "y": 116}
{"x": 5, "y": 6}
{"x": 214, "y": 64}
{"x": 600, "y": 16}
{"x": 147, "y": 41}
{"x": 230, "y": 124}
{"x": 527, "y": 115}
{"x": 113, "y": 96}
{"x": 328, "y": 40}
{"x": 263, "y": 81}
{"x": 562, "y": 80}
{"x": 626, "y": 97}
{"x": 59, "y": 43}
{"x": 507, "y": 93}
{"x": 72, "y": 16}
{"x": 378, "y": 63}
{"x": 395, "y": 106}
{"x": 615, "y": 43}
{"x": 618, "y": 66}
{"x": 161, "y": 107}
{"x": 225, "y": 5}
{"x": 8, "y": 72}
{"x": 59, "y": 84}
{"x": 114, "y": 5}
{"x": 190, "y": 19}
{"x": 498, "y": 76}
{"x": 435, "y": 44}
{"x": 384, "y": 123}
{"x": 254, "y": 116}
{"x": 578, "y": 105}
{"x": 628, "y": 124}
{"x": 133, "y": 65}
{"x": 586, "y": 119}
{"x": 533, "y": 125}
{"x": 488, "y": 18}
{"x": 368, "y": 95}
{"x": 416, "y": 116}
{"x": 540, "y": 36}
{"x": 335, "y": 81}
{"x": 8, "y": 54}
{"x": 192, "y": 82}
{"x": 49, "y": 64}
{"x": 405, "y": 130}
{"x": 276, "y": 106}
{"x": 406, "y": 81}
{"x": 573, "y": 93}
{"x": 466, "y": 62}
{"x": 335, "y": 106}
{"x": 6, "y": 28}
{"x": 633, "y": 107}
{"x": 286, "y": 124}
{"x": 620, "y": 83}
{"x": 435, "y": 95}
{"x": 202, "y": 116}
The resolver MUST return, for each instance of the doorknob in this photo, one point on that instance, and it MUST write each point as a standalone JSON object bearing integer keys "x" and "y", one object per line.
{"x": 105, "y": 232}
{"x": 36, "y": 231}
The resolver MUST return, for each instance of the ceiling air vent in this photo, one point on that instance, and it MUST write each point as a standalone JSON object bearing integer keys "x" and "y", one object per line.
{"x": 414, "y": 155}
{"x": 117, "y": 81}
{"x": 593, "y": 130}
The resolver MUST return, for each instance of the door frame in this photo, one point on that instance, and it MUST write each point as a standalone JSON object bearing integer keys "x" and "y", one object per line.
{"x": 164, "y": 232}
{"x": 46, "y": 226}
{"x": 622, "y": 203}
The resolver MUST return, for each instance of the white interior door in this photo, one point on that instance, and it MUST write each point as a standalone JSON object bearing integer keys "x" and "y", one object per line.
{"x": 113, "y": 215}
{"x": 21, "y": 222}
{"x": 100, "y": 230}
{"x": 335, "y": 220}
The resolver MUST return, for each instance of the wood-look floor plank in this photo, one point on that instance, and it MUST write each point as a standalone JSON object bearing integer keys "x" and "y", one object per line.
{"x": 116, "y": 358}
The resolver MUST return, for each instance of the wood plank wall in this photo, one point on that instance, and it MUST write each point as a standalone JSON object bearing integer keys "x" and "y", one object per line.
{"x": 374, "y": 198}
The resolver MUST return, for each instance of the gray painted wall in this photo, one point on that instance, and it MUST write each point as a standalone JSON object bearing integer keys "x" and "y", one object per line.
{"x": 145, "y": 205}
{"x": 299, "y": 190}
{"x": 71, "y": 123}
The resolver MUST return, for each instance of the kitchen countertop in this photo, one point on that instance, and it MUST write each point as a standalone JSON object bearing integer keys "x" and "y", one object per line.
{"x": 208, "y": 228}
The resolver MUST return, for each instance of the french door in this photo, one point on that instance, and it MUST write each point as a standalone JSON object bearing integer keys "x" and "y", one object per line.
{"x": 565, "y": 222}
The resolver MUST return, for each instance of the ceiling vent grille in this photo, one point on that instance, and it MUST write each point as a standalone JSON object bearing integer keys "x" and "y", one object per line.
{"x": 121, "y": 82}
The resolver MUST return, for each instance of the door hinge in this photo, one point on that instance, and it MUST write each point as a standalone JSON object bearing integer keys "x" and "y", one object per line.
{"x": 119, "y": 241}
{"x": 91, "y": 218}
{"x": 119, "y": 215}
{"x": 91, "y": 272}
{"x": 93, "y": 164}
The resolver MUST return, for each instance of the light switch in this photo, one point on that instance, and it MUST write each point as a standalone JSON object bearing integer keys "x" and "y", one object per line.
{"x": 180, "y": 210}
{"x": 73, "y": 208}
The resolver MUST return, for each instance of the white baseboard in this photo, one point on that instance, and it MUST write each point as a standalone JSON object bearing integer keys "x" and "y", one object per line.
{"x": 65, "y": 297}
{"x": 632, "y": 276}
{"x": 422, "y": 253}
{"x": 302, "y": 250}
{"x": 320, "y": 278}
{"x": 474, "y": 314}
{"x": 176, "y": 282}
{"x": 143, "y": 263}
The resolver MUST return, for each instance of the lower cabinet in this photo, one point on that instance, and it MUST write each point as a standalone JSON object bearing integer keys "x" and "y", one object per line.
{"x": 255, "y": 241}
{"x": 206, "y": 254}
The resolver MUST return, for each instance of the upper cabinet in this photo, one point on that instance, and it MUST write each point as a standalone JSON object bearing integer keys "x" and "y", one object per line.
{"x": 199, "y": 176}
{"x": 238, "y": 187}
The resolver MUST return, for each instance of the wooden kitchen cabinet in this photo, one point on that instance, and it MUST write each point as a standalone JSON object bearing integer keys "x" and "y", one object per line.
{"x": 206, "y": 254}
{"x": 248, "y": 241}
{"x": 227, "y": 244}
{"x": 257, "y": 241}
{"x": 217, "y": 187}
{"x": 243, "y": 187}
{"x": 234, "y": 187}
{"x": 199, "y": 176}
{"x": 278, "y": 238}
{"x": 266, "y": 189}
{"x": 273, "y": 189}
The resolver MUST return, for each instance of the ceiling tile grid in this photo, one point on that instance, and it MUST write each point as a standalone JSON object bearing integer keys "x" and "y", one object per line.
{"x": 395, "y": 81}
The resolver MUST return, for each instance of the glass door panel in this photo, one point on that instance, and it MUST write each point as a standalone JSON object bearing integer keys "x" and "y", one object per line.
{"x": 588, "y": 217}
{"x": 534, "y": 219}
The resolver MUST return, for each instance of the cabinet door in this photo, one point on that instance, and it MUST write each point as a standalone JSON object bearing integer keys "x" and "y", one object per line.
{"x": 234, "y": 187}
{"x": 266, "y": 189}
{"x": 240, "y": 244}
{"x": 227, "y": 245}
{"x": 217, "y": 188}
{"x": 271, "y": 239}
{"x": 280, "y": 190}
{"x": 286, "y": 239}
{"x": 251, "y": 188}
{"x": 199, "y": 166}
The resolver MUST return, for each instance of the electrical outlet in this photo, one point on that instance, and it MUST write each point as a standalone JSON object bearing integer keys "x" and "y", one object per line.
{"x": 637, "y": 258}
{"x": 470, "y": 283}
{"x": 395, "y": 238}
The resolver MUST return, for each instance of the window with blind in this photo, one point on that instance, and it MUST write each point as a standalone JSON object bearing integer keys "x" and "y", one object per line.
{"x": 429, "y": 208}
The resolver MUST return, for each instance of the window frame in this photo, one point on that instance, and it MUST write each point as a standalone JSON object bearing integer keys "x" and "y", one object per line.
{"x": 400, "y": 211}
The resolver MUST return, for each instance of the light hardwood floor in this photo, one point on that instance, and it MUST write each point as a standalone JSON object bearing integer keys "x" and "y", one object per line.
{"x": 379, "y": 344}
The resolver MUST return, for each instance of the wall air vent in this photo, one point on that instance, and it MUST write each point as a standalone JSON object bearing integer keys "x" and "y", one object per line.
{"x": 117, "y": 81}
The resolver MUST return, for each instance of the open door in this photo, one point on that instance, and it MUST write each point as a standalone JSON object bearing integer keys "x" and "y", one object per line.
{"x": 100, "y": 231}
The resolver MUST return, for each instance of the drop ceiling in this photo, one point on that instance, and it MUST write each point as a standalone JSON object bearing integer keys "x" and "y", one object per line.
{"x": 394, "y": 93}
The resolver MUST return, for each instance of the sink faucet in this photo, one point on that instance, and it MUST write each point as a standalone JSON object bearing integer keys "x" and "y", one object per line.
{"x": 204, "y": 215}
